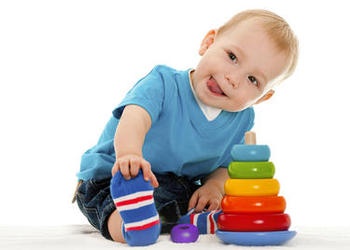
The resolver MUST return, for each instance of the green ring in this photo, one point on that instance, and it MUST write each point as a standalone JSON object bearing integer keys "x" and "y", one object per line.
{"x": 251, "y": 170}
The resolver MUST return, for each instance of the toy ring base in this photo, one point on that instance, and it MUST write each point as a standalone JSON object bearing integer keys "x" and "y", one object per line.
{"x": 272, "y": 238}
{"x": 184, "y": 233}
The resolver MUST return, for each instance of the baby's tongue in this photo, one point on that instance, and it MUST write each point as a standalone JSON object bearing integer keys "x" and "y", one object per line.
{"x": 214, "y": 87}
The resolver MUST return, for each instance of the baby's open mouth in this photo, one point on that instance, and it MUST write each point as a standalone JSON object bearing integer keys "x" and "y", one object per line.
{"x": 214, "y": 87}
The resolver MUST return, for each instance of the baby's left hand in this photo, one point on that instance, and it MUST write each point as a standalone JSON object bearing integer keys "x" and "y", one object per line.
{"x": 206, "y": 197}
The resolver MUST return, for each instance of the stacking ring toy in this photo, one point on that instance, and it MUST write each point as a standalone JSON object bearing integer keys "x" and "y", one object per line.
{"x": 253, "y": 204}
{"x": 251, "y": 170}
{"x": 250, "y": 152}
{"x": 184, "y": 233}
{"x": 253, "y": 222}
{"x": 251, "y": 187}
{"x": 256, "y": 238}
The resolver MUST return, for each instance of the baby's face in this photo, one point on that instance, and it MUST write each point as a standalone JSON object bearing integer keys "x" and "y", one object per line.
{"x": 238, "y": 68}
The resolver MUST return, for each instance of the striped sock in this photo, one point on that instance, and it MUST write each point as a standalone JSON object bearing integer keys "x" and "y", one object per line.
{"x": 134, "y": 201}
{"x": 205, "y": 221}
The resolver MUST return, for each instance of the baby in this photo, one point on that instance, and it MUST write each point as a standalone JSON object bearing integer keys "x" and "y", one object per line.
{"x": 167, "y": 145}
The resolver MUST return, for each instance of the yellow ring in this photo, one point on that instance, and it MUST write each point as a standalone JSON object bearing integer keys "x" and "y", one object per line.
{"x": 252, "y": 187}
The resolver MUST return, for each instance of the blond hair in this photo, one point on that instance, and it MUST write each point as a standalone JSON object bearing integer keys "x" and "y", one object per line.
{"x": 277, "y": 29}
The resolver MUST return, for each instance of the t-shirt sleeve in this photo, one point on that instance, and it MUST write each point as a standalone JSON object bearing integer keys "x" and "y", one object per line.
{"x": 147, "y": 93}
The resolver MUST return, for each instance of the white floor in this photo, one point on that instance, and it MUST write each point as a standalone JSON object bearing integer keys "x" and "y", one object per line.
{"x": 85, "y": 237}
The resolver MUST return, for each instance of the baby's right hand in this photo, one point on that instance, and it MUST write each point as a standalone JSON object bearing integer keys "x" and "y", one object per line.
{"x": 130, "y": 165}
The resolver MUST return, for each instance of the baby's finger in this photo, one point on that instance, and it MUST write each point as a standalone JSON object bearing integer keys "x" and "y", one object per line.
{"x": 124, "y": 168}
{"x": 193, "y": 201}
{"x": 148, "y": 174}
{"x": 146, "y": 170}
{"x": 201, "y": 204}
{"x": 154, "y": 181}
{"x": 135, "y": 165}
{"x": 214, "y": 205}
{"x": 115, "y": 169}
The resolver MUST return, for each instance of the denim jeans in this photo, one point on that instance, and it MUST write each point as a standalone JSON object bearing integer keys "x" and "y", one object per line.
{"x": 171, "y": 200}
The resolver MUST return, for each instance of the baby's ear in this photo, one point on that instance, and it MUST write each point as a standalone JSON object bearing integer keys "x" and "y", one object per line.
{"x": 207, "y": 41}
{"x": 265, "y": 97}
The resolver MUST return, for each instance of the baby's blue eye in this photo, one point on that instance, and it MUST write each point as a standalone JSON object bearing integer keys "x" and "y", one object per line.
{"x": 253, "y": 80}
{"x": 232, "y": 56}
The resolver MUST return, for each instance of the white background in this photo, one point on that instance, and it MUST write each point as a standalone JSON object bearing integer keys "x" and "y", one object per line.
{"x": 64, "y": 65}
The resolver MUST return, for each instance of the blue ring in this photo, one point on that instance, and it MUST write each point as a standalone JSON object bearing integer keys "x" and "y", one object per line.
{"x": 272, "y": 238}
{"x": 250, "y": 152}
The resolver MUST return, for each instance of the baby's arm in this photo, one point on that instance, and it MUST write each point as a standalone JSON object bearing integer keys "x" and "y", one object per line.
{"x": 128, "y": 142}
{"x": 210, "y": 194}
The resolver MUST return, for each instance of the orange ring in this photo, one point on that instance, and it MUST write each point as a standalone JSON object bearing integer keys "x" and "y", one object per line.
{"x": 252, "y": 187}
{"x": 253, "y": 204}
{"x": 253, "y": 222}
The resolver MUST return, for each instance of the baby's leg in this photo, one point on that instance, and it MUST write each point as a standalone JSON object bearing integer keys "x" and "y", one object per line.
{"x": 205, "y": 221}
{"x": 136, "y": 215}
{"x": 115, "y": 227}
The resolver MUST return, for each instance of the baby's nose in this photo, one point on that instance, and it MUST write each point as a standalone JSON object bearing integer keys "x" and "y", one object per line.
{"x": 232, "y": 79}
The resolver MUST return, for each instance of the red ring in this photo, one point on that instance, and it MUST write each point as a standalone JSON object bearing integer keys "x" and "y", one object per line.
{"x": 253, "y": 222}
{"x": 253, "y": 204}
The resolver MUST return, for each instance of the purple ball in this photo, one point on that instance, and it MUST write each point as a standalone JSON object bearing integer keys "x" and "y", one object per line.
{"x": 184, "y": 233}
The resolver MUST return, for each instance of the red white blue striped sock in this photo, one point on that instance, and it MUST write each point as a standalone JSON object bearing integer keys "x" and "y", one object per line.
{"x": 206, "y": 222}
{"x": 134, "y": 201}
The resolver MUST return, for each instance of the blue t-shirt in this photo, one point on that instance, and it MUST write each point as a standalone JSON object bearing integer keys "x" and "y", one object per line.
{"x": 181, "y": 140}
